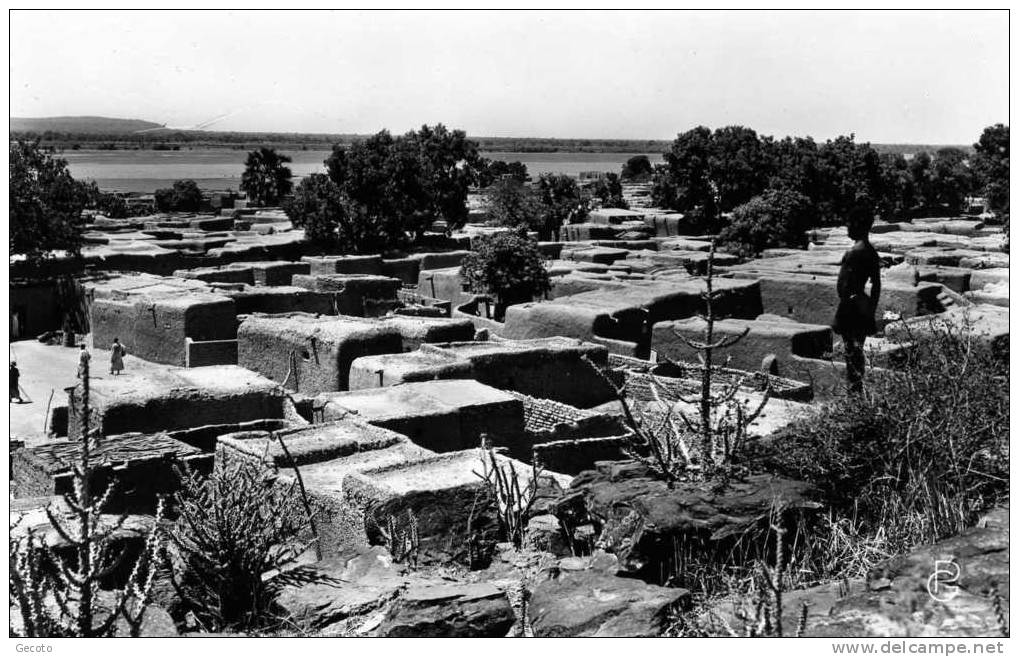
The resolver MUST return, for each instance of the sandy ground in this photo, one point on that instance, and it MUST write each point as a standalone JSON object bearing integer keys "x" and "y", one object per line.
{"x": 50, "y": 368}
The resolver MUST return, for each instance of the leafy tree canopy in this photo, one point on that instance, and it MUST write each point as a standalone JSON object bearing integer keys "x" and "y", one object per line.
{"x": 184, "y": 196}
{"x": 563, "y": 202}
{"x": 512, "y": 203}
{"x": 332, "y": 221}
{"x": 414, "y": 180}
{"x": 46, "y": 204}
{"x": 776, "y": 218}
{"x": 991, "y": 166}
{"x": 637, "y": 167}
{"x": 507, "y": 266}
{"x": 609, "y": 192}
{"x": 493, "y": 170}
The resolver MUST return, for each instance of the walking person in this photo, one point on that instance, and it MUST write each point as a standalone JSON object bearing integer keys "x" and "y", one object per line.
{"x": 15, "y": 384}
{"x": 854, "y": 318}
{"x": 117, "y": 353}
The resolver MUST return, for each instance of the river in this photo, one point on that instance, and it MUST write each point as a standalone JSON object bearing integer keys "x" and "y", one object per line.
{"x": 220, "y": 169}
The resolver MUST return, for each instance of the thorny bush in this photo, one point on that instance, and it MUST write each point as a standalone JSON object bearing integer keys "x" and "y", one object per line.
{"x": 921, "y": 453}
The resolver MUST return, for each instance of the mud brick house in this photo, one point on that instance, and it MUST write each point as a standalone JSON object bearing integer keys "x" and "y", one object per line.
{"x": 442, "y": 416}
{"x": 174, "y": 399}
{"x": 550, "y": 368}
{"x": 141, "y": 465}
{"x": 311, "y": 354}
{"x": 360, "y": 295}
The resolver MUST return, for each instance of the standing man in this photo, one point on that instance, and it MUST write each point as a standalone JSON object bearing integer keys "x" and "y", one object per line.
{"x": 15, "y": 384}
{"x": 854, "y": 318}
{"x": 83, "y": 358}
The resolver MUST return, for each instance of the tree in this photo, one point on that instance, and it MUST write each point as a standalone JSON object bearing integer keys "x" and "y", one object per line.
{"x": 739, "y": 166}
{"x": 777, "y": 218}
{"x": 412, "y": 181}
{"x": 563, "y": 202}
{"x": 184, "y": 196}
{"x": 266, "y": 178}
{"x": 514, "y": 204}
{"x": 609, "y": 191}
{"x": 901, "y": 192}
{"x": 850, "y": 175}
{"x": 493, "y": 170}
{"x": 507, "y": 266}
{"x": 334, "y": 223}
{"x": 683, "y": 183}
{"x": 637, "y": 167}
{"x": 46, "y": 204}
{"x": 991, "y": 167}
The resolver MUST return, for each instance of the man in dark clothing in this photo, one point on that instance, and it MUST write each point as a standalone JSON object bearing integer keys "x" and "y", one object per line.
{"x": 854, "y": 318}
{"x": 15, "y": 385}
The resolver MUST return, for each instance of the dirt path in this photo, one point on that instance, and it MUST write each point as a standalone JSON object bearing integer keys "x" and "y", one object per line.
{"x": 50, "y": 368}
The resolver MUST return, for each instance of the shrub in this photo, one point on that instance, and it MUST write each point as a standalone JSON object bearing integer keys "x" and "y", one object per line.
{"x": 777, "y": 218}
{"x": 112, "y": 205}
{"x": 609, "y": 191}
{"x": 921, "y": 453}
{"x": 507, "y": 266}
{"x": 235, "y": 530}
{"x": 564, "y": 202}
{"x": 184, "y": 196}
{"x": 637, "y": 167}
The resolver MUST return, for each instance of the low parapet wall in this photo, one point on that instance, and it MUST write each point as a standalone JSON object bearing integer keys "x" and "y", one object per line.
{"x": 210, "y": 352}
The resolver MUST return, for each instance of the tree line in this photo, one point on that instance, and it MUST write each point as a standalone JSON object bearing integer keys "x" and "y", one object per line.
{"x": 385, "y": 191}
{"x": 759, "y": 191}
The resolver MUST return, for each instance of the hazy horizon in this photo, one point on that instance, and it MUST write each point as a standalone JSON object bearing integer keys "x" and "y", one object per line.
{"x": 923, "y": 77}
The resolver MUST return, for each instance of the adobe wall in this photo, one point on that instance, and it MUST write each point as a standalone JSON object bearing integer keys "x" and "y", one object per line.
{"x": 349, "y": 264}
{"x": 142, "y": 465}
{"x": 551, "y": 368}
{"x": 277, "y": 273}
{"x": 416, "y": 331}
{"x": 210, "y": 352}
{"x": 359, "y": 295}
{"x": 813, "y": 299}
{"x": 154, "y": 328}
{"x": 779, "y": 339}
{"x": 317, "y": 354}
{"x": 446, "y": 284}
{"x": 281, "y": 299}
{"x": 177, "y": 399}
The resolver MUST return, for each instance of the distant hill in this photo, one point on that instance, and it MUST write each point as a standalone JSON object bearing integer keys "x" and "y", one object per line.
{"x": 84, "y": 125}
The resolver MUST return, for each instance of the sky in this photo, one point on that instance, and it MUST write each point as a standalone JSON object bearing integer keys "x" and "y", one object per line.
{"x": 934, "y": 77}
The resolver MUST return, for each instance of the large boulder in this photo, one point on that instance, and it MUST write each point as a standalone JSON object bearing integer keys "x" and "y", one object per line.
{"x": 956, "y": 587}
{"x": 643, "y": 521}
{"x": 333, "y": 595}
{"x": 593, "y": 603}
{"x": 449, "y": 610}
